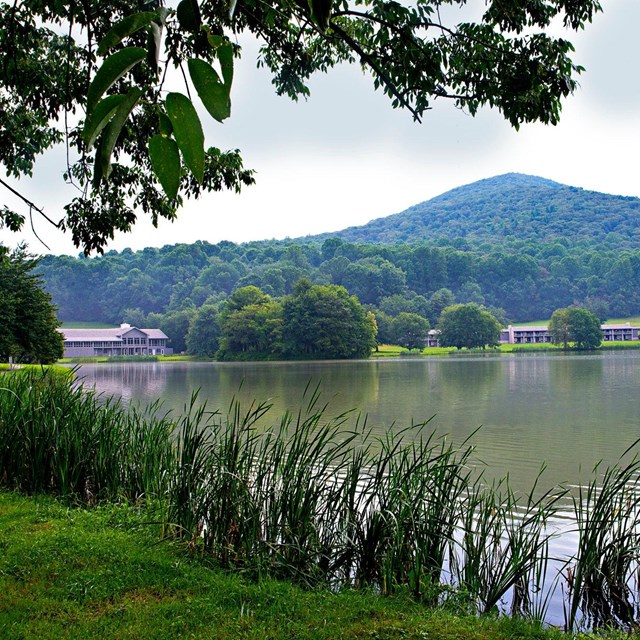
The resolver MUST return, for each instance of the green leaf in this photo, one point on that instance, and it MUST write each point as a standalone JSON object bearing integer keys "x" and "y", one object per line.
{"x": 102, "y": 166}
{"x": 125, "y": 28}
{"x": 224, "y": 51}
{"x": 189, "y": 15}
{"x": 165, "y": 127}
{"x": 100, "y": 118}
{"x": 153, "y": 45}
{"x": 165, "y": 160}
{"x": 225, "y": 55}
{"x": 112, "y": 69}
{"x": 321, "y": 12}
{"x": 214, "y": 94}
{"x": 187, "y": 131}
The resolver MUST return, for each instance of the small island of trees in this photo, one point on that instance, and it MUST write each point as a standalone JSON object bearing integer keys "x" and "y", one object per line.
{"x": 314, "y": 322}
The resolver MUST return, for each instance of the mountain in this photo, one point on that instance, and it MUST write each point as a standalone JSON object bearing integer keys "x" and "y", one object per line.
{"x": 509, "y": 207}
{"x": 515, "y": 242}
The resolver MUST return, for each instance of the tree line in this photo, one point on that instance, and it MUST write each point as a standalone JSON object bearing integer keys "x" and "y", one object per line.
{"x": 523, "y": 282}
{"x": 317, "y": 322}
{"x": 314, "y": 322}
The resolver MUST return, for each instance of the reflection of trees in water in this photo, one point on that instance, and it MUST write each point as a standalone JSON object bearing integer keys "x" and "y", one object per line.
{"x": 569, "y": 372}
{"x": 567, "y": 410}
{"x": 344, "y": 386}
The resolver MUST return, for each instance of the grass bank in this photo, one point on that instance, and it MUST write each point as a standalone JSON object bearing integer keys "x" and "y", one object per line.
{"x": 24, "y": 368}
{"x": 78, "y": 573}
{"x": 392, "y": 351}
{"x": 315, "y": 500}
{"x": 171, "y": 358}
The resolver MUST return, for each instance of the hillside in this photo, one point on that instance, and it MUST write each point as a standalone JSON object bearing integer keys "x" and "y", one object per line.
{"x": 507, "y": 207}
{"x": 518, "y": 243}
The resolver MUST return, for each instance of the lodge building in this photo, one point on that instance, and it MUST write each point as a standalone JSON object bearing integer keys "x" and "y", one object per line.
{"x": 124, "y": 340}
{"x": 540, "y": 334}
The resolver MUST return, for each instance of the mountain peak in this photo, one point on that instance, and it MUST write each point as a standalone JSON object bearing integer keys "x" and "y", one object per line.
{"x": 512, "y": 206}
{"x": 518, "y": 180}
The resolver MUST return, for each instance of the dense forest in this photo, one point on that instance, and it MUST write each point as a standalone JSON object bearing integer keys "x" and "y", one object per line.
{"x": 508, "y": 209}
{"x": 521, "y": 276}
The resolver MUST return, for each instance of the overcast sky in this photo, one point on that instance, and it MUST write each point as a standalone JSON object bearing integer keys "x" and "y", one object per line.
{"x": 345, "y": 157}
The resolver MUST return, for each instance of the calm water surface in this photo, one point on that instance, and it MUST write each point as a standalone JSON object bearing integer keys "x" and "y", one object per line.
{"x": 566, "y": 410}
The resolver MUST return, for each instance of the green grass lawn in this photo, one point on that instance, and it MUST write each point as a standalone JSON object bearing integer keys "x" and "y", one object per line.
{"x": 101, "y": 573}
{"x": 634, "y": 321}
{"x": 4, "y": 366}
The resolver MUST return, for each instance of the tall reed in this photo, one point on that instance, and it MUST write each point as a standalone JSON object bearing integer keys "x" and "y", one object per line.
{"x": 600, "y": 576}
{"x": 319, "y": 500}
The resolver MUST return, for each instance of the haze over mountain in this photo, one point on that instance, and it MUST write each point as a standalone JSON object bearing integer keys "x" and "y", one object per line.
{"x": 509, "y": 207}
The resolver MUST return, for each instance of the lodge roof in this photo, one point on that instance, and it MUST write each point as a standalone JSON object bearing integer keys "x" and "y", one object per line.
{"x": 114, "y": 334}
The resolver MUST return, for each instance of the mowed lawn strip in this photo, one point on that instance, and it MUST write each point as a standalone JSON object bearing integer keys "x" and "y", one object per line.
{"x": 101, "y": 573}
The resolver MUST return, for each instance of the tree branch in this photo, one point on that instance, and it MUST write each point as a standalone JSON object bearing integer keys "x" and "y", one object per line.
{"x": 370, "y": 60}
{"x": 31, "y": 205}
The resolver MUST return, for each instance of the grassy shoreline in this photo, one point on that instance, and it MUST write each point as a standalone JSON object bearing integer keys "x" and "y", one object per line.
{"x": 387, "y": 351}
{"x": 83, "y": 573}
{"x": 306, "y": 501}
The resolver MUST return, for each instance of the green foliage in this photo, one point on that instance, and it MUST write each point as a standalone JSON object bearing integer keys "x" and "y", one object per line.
{"x": 507, "y": 210}
{"x": 324, "y": 321}
{"x": 213, "y": 93}
{"x": 384, "y": 323}
{"x": 78, "y": 561}
{"x": 251, "y": 326}
{"x": 187, "y": 130}
{"x": 27, "y": 316}
{"x": 165, "y": 161}
{"x": 468, "y": 325}
{"x": 575, "y": 326}
{"x": 523, "y": 275}
{"x": 135, "y": 317}
{"x": 176, "y": 326}
{"x": 203, "y": 337}
{"x": 409, "y": 330}
{"x": 306, "y": 499}
{"x": 505, "y": 60}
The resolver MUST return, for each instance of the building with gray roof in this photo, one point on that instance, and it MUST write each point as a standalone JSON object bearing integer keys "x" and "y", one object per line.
{"x": 124, "y": 340}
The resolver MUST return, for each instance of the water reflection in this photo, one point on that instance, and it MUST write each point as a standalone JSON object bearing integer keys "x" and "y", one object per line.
{"x": 569, "y": 411}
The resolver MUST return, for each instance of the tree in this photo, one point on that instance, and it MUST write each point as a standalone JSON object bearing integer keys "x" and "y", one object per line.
{"x": 597, "y": 306}
{"x": 577, "y": 326}
{"x": 251, "y": 326}
{"x": 134, "y": 316}
{"x": 439, "y": 301}
{"x": 204, "y": 332}
{"x": 138, "y": 144}
{"x": 410, "y": 303}
{"x": 410, "y": 330}
{"x": 468, "y": 325}
{"x": 324, "y": 321}
{"x": 384, "y": 325}
{"x": 175, "y": 324}
{"x": 27, "y": 315}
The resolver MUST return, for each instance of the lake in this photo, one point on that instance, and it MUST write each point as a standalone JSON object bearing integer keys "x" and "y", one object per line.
{"x": 569, "y": 411}
{"x": 518, "y": 410}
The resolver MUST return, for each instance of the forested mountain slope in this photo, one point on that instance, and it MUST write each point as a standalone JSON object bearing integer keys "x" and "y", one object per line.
{"x": 518, "y": 243}
{"x": 508, "y": 207}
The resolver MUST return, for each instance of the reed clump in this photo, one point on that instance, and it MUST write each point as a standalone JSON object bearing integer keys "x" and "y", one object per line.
{"x": 317, "y": 500}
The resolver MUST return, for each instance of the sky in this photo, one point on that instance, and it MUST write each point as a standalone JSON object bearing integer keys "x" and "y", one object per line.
{"x": 345, "y": 156}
